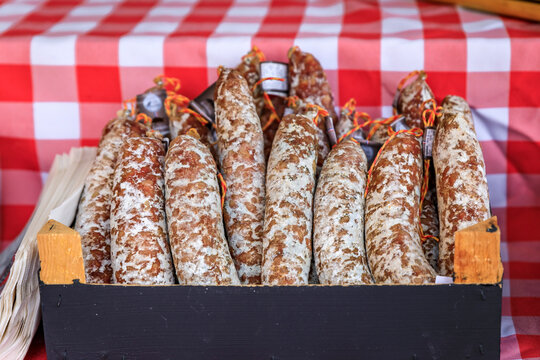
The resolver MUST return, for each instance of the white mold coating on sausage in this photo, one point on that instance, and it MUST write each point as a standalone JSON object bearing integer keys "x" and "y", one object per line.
{"x": 392, "y": 216}
{"x": 462, "y": 190}
{"x": 290, "y": 184}
{"x": 338, "y": 225}
{"x": 193, "y": 205}
{"x": 241, "y": 155}
{"x": 140, "y": 251}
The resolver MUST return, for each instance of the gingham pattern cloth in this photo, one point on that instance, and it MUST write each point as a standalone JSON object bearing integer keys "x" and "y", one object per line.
{"x": 65, "y": 68}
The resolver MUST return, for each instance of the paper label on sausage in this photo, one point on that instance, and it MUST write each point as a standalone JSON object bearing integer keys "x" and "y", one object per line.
{"x": 275, "y": 69}
{"x": 204, "y": 104}
{"x": 151, "y": 103}
{"x": 427, "y": 141}
{"x": 330, "y": 130}
{"x": 371, "y": 149}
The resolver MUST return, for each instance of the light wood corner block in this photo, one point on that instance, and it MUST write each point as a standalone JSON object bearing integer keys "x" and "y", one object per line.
{"x": 60, "y": 253}
{"x": 477, "y": 254}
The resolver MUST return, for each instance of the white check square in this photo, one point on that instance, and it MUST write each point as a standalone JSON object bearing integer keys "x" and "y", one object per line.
{"x": 485, "y": 54}
{"x": 247, "y": 11}
{"x": 79, "y": 27}
{"x": 482, "y": 25}
{"x": 56, "y": 120}
{"x": 396, "y": 25}
{"x": 226, "y": 50}
{"x": 53, "y": 50}
{"x": 237, "y": 28}
{"x": 497, "y": 190}
{"x": 141, "y": 50}
{"x": 324, "y": 11}
{"x": 327, "y": 29}
{"x": 4, "y": 25}
{"x": 399, "y": 54}
{"x": 16, "y": 9}
{"x": 178, "y": 11}
{"x": 153, "y": 27}
{"x": 85, "y": 10}
{"x": 327, "y": 54}
{"x": 491, "y": 123}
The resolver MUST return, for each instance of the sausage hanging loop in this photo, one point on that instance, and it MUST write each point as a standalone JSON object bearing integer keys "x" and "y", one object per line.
{"x": 223, "y": 186}
{"x": 162, "y": 81}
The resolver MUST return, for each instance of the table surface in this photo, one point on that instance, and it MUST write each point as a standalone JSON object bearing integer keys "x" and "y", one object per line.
{"x": 65, "y": 68}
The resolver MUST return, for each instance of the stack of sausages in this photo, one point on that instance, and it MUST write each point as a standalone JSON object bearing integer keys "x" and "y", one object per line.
{"x": 286, "y": 207}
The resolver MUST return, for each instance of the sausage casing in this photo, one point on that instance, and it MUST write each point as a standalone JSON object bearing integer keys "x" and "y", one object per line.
{"x": 338, "y": 224}
{"x": 392, "y": 215}
{"x": 241, "y": 155}
{"x": 462, "y": 190}
{"x": 290, "y": 184}
{"x": 140, "y": 252}
{"x": 93, "y": 215}
{"x": 194, "y": 218}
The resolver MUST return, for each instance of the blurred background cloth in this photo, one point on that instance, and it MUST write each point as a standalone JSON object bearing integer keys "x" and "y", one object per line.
{"x": 65, "y": 68}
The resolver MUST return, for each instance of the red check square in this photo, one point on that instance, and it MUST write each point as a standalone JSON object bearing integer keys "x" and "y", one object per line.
{"x": 99, "y": 84}
{"x": 361, "y": 85}
{"x": 524, "y": 88}
{"x": 17, "y": 80}
{"x": 18, "y": 154}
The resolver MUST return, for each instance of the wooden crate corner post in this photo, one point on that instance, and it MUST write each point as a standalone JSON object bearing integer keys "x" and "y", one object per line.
{"x": 60, "y": 253}
{"x": 477, "y": 254}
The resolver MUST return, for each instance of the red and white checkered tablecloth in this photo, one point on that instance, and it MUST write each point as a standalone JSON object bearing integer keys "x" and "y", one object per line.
{"x": 66, "y": 66}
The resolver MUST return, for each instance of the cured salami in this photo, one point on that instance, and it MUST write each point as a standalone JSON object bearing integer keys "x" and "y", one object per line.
{"x": 139, "y": 249}
{"x": 411, "y": 98}
{"x": 92, "y": 222}
{"x": 308, "y": 81}
{"x": 462, "y": 190}
{"x": 249, "y": 68}
{"x": 392, "y": 215}
{"x": 241, "y": 155}
{"x": 338, "y": 225}
{"x": 290, "y": 184}
{"x": 193, "y": 205}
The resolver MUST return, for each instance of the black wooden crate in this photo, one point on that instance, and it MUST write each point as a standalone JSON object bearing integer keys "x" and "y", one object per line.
{"x": 260, "y": 322}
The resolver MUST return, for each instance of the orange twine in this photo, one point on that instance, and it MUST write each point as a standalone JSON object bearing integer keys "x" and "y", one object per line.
{"x": 163, "y": 81}
{"x": 273, "y": 115}
{"x": 254, "y": 52}
{"x": 350, "y": 106}
{"x": 147, "y": 120}
{"x": 223, "y": 188}
{"x": 320, "y": 111}
{"x": 264, "y": 79}
{"x": 429, "y": 121}
{"x": 406, "y": 78}
{"x": 174, "y": 99}
{"x": 132, "y": 102}
{"x": 291, "y": 50}
{"x": 196, "y": 115}
{"x": 414, "y": 131}
{"x": 356, "y": 127}
{"x": 379, "y": 123}
{"x": 293, "y": 101}
{"x": 268, "y": 102}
